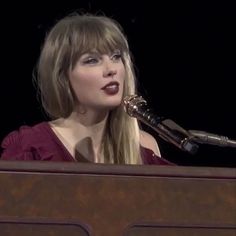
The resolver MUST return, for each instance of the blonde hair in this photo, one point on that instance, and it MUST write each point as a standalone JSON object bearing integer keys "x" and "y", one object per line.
{"x": 71, "y": 37}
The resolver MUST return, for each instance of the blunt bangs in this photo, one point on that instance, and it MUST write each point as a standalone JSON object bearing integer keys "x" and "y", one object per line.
{"x": 93, "y": 36}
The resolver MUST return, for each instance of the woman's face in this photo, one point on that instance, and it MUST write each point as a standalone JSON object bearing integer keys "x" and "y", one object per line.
{"x": 98, "y": 80}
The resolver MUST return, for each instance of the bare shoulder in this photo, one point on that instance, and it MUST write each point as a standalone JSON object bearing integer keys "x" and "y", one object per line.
{"x": 148, "y": 141}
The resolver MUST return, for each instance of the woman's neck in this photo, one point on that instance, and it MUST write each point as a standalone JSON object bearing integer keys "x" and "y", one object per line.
{"x": 84, "y": 132}
{"x": 89, "y": 122}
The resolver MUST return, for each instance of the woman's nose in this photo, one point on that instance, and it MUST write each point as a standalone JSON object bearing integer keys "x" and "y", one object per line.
{"x": 109, "y": 73}
{"x": 109, "y": 69}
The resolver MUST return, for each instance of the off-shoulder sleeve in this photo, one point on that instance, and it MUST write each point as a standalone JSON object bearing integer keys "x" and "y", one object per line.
{"x": 14, "y": 148}
{"x": 149, "y": 158}
{"x": 31, "y": 143}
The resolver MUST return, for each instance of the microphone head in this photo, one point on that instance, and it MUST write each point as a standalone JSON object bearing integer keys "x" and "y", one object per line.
{"x": 132, "y": 103}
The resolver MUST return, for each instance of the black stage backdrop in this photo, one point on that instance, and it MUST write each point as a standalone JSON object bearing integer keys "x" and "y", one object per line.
{"x": 184, "y": 55}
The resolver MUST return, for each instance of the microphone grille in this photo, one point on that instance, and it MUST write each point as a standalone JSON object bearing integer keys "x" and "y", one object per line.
{"x": 132, "y": 103}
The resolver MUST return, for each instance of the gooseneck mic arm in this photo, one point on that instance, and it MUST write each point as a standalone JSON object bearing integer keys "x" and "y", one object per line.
{"x": 212, "y": 139}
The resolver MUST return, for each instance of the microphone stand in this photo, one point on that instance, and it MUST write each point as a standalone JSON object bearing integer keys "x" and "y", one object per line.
{"x": 136, "y": 106}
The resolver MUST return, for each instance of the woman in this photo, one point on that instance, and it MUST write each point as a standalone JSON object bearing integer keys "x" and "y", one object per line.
{"x": 84, "y": 72}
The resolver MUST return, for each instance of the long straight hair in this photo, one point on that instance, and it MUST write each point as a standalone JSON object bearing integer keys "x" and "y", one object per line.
{"x": 70, "y": 38}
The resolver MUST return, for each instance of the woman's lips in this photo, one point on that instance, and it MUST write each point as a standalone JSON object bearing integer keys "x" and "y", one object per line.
{"x": 111, "y": 88}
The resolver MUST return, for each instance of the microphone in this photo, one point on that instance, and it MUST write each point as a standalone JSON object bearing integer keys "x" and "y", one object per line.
{"x": 212, "y": 139}
{"x": 136, "y": 106}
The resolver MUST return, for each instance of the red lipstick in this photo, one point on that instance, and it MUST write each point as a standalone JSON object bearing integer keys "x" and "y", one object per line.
{"x": 111, "y": 88}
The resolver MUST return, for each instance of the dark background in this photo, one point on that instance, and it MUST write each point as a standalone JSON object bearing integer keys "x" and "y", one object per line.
{"x": 184, "y": 55}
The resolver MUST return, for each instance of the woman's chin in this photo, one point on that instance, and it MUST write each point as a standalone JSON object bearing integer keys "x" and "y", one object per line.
{"x": 111, "y": 105}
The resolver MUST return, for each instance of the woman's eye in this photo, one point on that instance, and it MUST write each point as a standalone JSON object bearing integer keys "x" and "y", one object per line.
{"x": 116, "y": 57}
{"x": 90, "y": 60}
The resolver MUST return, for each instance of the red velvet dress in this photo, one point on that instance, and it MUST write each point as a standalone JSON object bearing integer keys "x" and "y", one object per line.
{"x": 40, "y": 143}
